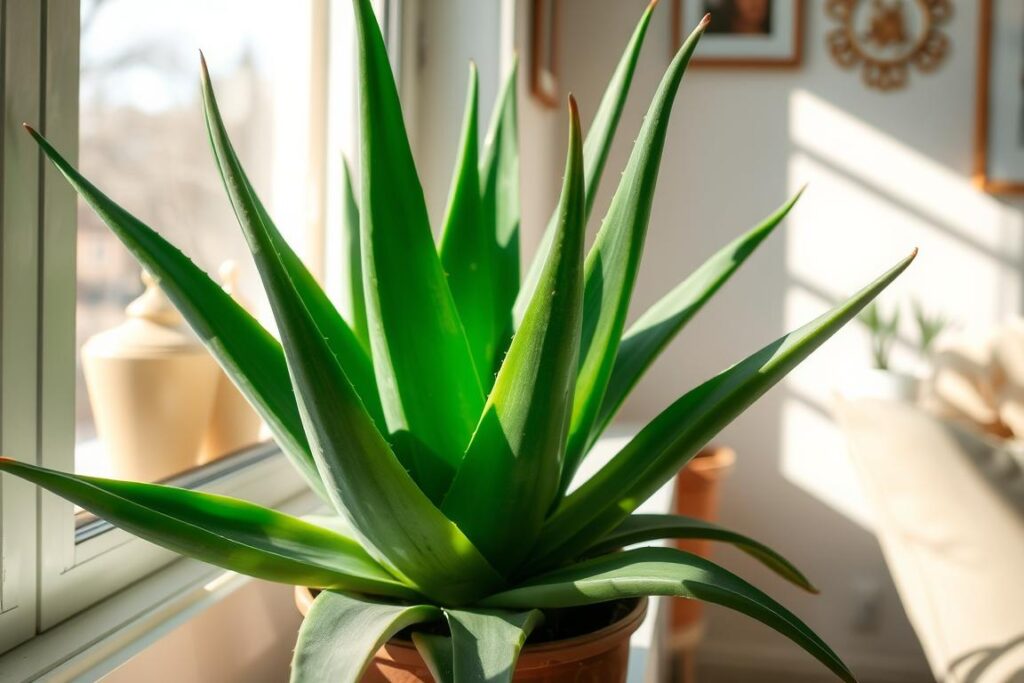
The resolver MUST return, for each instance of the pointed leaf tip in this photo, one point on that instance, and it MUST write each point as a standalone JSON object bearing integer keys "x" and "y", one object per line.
{"x": 651, "y": 5}
{"x": 574, "y": 109}
{"x": 705, "y": 21}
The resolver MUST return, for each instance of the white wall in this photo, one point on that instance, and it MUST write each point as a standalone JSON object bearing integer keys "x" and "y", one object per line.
{"x": 887, "y": 172}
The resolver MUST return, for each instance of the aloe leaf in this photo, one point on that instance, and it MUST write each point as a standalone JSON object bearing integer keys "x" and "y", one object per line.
{"x": 431, "y": 394}
{"x": 364, "y": 479}
{"x": 341, "y": 634}
{"x": 651, "y": 333}
{"x": 681, "y": 430}
{"x": 247, "y": 352}
{"x": 614, "y": 260}
{"x": 486, "y": 643}
{"x": 250, "y": 210}
{"x": 354, "y": 280}
{"x": 663, "y": 571}
{"x": 468, "y": 248}
{"x": 641, "y": 528}
{"x": 595, "y": 151}
{"x": 227, "y": 532}
{"x": 437, "y": 655}
{"x": 509, "y": 476}
{"x": 499, "y": 208}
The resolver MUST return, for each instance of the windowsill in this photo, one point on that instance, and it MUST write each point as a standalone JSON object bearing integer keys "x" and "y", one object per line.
{"x": 97, "y": 640}
{"x": 94, "y": 642}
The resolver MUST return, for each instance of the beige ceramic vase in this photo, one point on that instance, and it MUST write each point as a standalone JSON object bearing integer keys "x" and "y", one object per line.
{"x": 151, "y": 385}
{"x": 233, "y": 423}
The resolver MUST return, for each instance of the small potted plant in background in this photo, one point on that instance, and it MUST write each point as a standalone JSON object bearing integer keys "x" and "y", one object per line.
{"x": 883, "y": 380}
{"x": 446, "y": 446}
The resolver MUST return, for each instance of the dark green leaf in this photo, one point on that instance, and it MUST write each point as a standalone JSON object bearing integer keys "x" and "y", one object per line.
{"x": 247, "y": 352}
{"x": 468, "y": 248}
{"x": 486, "y": 643}
{"x": 227, "y": 532}
{"x": 671, "y": 439}
{"x": 364, "y": 479}
{"x": 437, "y": 655}
{"x": 663, "y": 571}
{"x": 430, "y": 391}
{"x": 509, "y": 477}
{"x": 595, "y": 150}
{"x": 652, "y": 332}
{"x": 640, "y": 528}
{"x": 614, "y": 261}
{"x": 342, "y": 633}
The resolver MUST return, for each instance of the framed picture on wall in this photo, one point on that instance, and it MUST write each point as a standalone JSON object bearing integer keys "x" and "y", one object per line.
{"x": 999, "y": 109}
{"x": 544, "y": 66}
{"x": 742, "y": 33}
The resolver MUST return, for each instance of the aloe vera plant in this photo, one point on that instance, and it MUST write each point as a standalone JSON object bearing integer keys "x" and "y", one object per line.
{"x": 444, "y": 422}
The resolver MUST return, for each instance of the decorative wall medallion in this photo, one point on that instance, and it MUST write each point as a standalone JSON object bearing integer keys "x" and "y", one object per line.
{"x": 886, "y": 37}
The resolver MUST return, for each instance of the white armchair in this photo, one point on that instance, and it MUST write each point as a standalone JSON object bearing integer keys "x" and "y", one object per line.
{"x": 950, "y": 520}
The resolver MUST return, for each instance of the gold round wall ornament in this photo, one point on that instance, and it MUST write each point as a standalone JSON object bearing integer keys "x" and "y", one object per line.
{"x": 886, "y": 37}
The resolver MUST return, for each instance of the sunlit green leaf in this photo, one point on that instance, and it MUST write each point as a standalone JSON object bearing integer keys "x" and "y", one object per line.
{"x": 499, "y": 208}
{"x": 248, "y": 353}
{"x": 614, "y": 260}
{"x": 651, "y": 333}
{"x": 227, "y": 532}
{"x": 353, "y": 284}
{"x": 641, "y": 528}
{"x": 341, "y": 634}
{"x": 671, "y": 439}
{"x": 663, "y": 571}
{"x": 509, "y": 477}
{"x": 468, "y": 248}
{"x": 363, "y": 477}
{"x": 431, "y": 394}
{"x": 486, "y": 643}
{"x": 595, "y": 150}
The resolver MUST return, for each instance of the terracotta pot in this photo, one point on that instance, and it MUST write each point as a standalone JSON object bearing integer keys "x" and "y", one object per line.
{"x": 598, "y": 657}
{"x": 697, "y": 496}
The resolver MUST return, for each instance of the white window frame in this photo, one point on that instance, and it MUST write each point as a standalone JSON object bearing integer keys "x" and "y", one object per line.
{"x": 48, "y": 579}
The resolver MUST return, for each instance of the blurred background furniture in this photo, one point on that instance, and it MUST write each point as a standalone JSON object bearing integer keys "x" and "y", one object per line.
{"x": 949, "y": 509}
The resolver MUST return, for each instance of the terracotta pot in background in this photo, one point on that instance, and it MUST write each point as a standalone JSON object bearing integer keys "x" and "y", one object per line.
{"x": 697, "y": 496}
{"x": 598, "y": 657}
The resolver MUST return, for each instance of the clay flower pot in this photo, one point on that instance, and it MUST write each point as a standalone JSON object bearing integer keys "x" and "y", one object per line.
{"x": 598, "y": 657}
{"x": 697, "y": 496}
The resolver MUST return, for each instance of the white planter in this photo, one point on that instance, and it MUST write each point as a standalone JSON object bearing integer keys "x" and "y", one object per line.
{"x": 881, "y": 384}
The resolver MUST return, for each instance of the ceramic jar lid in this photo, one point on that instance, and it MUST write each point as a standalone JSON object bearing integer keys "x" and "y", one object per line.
{"x": 153, "y": 328}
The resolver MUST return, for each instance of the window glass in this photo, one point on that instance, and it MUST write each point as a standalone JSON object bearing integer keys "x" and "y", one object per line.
{"x": 151, "y": 403}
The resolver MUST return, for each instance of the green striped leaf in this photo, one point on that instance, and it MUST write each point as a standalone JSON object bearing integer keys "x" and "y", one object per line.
{"x": 664, "y": 571}
{"x": 641, "y": 528}
{"x": 614, "y": 260}
{"x": 681, "y": 430}
{"x": 247, "y": 352}
{"x": 227, "y": 532}
{"x": 486, "y": 643}
{"x": 364, "y": 479}
{"x": 468, "y": 248}
{"x": 509, "y": 477}
{"x": 499, "y": 209}
{"x": 341, "y": 634}
{"x": 644, "y": 341}
{"x": 595, "y": 151}
{"x": 431, "y": 395}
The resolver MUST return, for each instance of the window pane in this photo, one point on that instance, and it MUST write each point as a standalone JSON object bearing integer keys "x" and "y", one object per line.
{"x": 150, "y": 402}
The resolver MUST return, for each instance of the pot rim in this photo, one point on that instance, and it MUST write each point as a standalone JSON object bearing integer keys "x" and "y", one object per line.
{"x": 628, "y": 623}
